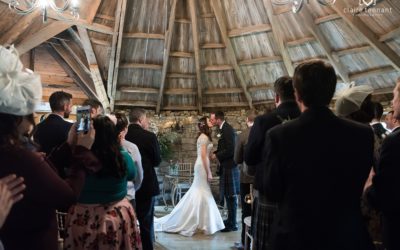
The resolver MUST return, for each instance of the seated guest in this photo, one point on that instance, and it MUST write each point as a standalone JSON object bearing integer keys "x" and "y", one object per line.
{"x": 102, "y": 201}
{"x": 31, "y": 223}
{"x": 133, "y": 150}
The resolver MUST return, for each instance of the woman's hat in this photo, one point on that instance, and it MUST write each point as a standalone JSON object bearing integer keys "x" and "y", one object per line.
{"x": 351, "y": 99}
{"x": 20, "y": 89}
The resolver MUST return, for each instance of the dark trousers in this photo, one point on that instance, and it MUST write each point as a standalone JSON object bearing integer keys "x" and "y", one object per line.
{"x": 232, "y": 204}
{"x": 145, "y": 215}
{"x": 391, "y": 232}
{"x": 246, "y": 208}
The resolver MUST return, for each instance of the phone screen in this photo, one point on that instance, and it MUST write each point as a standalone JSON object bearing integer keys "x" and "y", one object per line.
{"x": 83, "y": 119}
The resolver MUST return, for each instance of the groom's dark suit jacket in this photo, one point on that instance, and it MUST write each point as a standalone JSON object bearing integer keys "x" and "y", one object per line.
{"x": 226, "y": 146}
{"x": 316, "y": 169}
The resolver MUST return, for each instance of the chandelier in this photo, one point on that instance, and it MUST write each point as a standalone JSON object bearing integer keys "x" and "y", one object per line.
{"x": 298, "y": 4}
{"x": 29, "y": 6}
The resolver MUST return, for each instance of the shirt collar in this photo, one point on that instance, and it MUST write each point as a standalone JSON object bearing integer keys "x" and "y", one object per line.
{"x": 222, "y": 124}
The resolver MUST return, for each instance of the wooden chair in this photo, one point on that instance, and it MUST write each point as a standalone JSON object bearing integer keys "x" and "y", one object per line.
{"x": 182, "y": 182}
{"x": 60, "y": 216}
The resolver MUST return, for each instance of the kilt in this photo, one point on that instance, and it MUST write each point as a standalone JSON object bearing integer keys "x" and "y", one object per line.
{"x": 263, "y": 215}
{"x": 229, "y": 182}
{"x": 102, "y": 226}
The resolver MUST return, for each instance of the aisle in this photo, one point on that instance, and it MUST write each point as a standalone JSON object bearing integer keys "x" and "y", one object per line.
{"x": 218, "y": 241}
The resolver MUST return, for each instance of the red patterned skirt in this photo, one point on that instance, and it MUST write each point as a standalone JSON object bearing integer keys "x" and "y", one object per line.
{"x": 102, "y": 226}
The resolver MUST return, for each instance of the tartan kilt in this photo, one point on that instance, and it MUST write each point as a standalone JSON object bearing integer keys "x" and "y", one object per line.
{"x": 229, "y": 182}
{"x": 263, "y": 215}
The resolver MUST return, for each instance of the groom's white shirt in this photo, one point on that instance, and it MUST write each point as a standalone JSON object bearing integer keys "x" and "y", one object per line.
{"x": 222, "y": 124}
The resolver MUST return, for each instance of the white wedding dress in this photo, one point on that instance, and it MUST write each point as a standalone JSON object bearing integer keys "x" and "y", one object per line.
{"x": 197, "y": 210}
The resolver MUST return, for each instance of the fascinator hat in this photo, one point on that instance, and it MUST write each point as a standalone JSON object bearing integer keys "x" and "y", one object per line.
{"x": 20, "y": 89}
{"x": 351, "y": 99}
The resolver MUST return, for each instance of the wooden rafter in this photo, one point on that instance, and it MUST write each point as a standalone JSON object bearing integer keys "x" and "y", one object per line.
{"x": 94, "y": 67}
{"x": 278, "y": 35}
{"x": 223, "y": 91}
{"x": 39, "y": 37}
{"x": 250, "y": 30}
{"x": 60, "y": 54}
{"x": 371, "y": 72}
{"x": 348, "y": 51}
{"x": 226, "y": 104}
{"x": 140, "y": 66}
{"x": 167, "y": 43}
{"x": 144, "y": 35}
{"x": 301, "y": 41}
{"x": 196, "y": 48}
{"x": 92, "y": 11}
{"x": 139, "y": 90}
{"x": 181, "y": 75}
{"x": 180, "y": 108}
{"x": 180, "y": 91}
{"x": 327, "y": 18}
{"x": 136, "y": 104}
{"x": 222, "y": 67}
{"x": 264, "y": 59}
{"x": 115, "y": 51}
{"x": 217, "y": 8}
{"x": 20, "y": 27}
{"x": 358, "y": 26}
{"x": 317, "y": 33}
{"x": 213, "y": 46}
{"x": 75, "y": 56}
{"x": 390, "y": 35}
{"x": 181, "y": 54}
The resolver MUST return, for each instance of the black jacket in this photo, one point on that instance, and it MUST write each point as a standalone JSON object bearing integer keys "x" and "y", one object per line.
{"x": 226, "y": 146}
{"x": 150, "y": 151}
{"x": 316, "y": 169}
{"x": 51, "y": 133}
{"x": 255, "y": 146}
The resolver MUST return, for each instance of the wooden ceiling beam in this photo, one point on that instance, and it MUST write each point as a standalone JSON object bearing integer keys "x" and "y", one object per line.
{"x": 225, "y": 104}
{"x": 223, "y": 67}
{"x": 217, "y": 8}
{"x": 371, "y": 72}
{"x": 261, "y": 87}
{"x": 300, "y": 41}
{"x": 113, "y": 65}
{"x": 348, "y": 51}
{"x": 250, "y": 30}
{"x": 92, "y": 11}
{"x": 179, "y": 108}
{"x": 181, "y": 54}
{"x": 223, "y": 91}
{"x": 20, "y": 27}
{"x": 105, "y": 17}
{"x": 139, "y": 90}
{"x": 265, "y": 59}
{"x": 75, "y": 56}
{"x": 361, "y": 28}
{"x": 140, "y": 66}
{"x": 167, "y": 50}
{"x": 135, "y": 103}
{"x": 94, "y": 67}
{"x": 180, "y": 91}
{"x": 100, "y": 42}
{"x": 213, "y": 46}
{"x": 33, "y": 40}
{"x": 59, "y": 54}
{"x": 144, "y": 36}
{"x": 196, "y": 48}
{"x": 278, "y": 35}
{"x": 390, "y": 35}
{"x": 323, "y": 41}
{"x": 183, "y": 20}
{"x": 327, "y": 18}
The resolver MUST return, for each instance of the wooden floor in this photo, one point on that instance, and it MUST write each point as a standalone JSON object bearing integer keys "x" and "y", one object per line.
{"x": 199, "y": 241}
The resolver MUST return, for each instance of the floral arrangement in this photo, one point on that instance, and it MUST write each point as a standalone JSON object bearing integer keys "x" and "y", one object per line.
{"x": 166, "y": 140}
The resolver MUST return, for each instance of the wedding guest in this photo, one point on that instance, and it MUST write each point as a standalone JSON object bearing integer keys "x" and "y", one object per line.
{"x": 149, "y": 149}
{"x": 391, "y": 122}
{"x": 245, "y": 180}
{"x": 376, "y": 124}
{"x": 264, "y": 211}
{"x": 96, "y": 108}
{"x": 31, "y": 223}
{"x": 385, "y": 185}
{"x": 102, "y": 201}
{"x": 316, "y": 167}
{"x": 122, "y": 129}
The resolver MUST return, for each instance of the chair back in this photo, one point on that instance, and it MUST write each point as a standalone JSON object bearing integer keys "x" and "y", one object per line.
{"x": 60, "y": 216}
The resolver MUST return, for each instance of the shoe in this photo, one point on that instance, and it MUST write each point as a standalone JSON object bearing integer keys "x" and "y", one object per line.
{"x": 229, "y": 229}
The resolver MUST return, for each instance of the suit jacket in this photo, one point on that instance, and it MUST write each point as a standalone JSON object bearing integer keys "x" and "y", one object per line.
{"x": 384, "y": 191}
{"x": 226, "y": 146}
{"x": 316, "y": 169}
{"x": 51, "y": 133}
{"x": 241, "y": 142}
{"x": 253, "y": 155}
{"x": 150, "y": 151}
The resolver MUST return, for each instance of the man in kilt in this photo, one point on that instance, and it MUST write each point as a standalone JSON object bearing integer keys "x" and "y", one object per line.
{"x": 264, "y": 211}
{"x": 229, "y": 171}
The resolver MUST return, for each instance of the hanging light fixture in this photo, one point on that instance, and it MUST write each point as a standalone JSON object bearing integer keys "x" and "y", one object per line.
{"x": 298, "y": 4}
{"x": 29, "y": 6}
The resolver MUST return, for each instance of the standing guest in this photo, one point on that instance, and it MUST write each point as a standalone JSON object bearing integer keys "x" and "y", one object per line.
{"x": 150, "y": 151}
{"x": 96, "y": 108}
{"x": 229, "y": 186}
{"x": 385, "y": 185}
{"x": 376, "y": 124}
{"x": 31, "y": 223}
{"x": 391, "y": 122}
{"x": 53, "y": 131}
{"x": 133, "y": 150}
{"x": 245, "y": 180}
{"x": 263, "y": 210}
{"x": 102, "y": 201}
{"x": 316, "y": 169}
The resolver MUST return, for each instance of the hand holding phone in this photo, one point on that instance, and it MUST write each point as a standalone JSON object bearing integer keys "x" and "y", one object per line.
{"x": 83, "y": 119}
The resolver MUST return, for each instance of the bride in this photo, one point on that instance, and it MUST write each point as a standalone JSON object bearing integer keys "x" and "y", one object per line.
{"x": 197, "y": 210}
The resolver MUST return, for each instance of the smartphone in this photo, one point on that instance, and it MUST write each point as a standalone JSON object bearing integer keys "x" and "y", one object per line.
{"x": 83, "y": 119}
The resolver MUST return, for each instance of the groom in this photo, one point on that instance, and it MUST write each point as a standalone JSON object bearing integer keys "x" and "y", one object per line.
{"x": 229, "y": 172}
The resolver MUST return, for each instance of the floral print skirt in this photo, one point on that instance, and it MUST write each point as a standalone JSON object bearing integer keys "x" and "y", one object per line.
{"x": 102, "y": 226}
